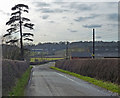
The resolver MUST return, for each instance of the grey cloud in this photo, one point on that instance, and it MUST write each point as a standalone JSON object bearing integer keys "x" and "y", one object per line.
{"x": 60, "y": 3}
{"x": 58, "y": 10}
{"x": 64, "y": 17}
{"x": 98, "y": 37}
{"x": 66, "y": 7}
{"x": 92, "y": 26}
{"x": 113, "y": 17}
{"x": 112, "y": 4}
{"x": 1, "y": 11}
{"x": 41, "y": 4}
{"x": 71, "y": 23}
{"x": 43, "y": 35}
{"x": 72, "y": 30}
{"x": 114, "y": 25}
{"x": 79, "y": 6}
{"x": 48, "y": 10}
{"x": 52, "y": 21}
{"x": 65, "y": 10}
{"x": 45, "y": 16}
{"x": 86, "y": 18}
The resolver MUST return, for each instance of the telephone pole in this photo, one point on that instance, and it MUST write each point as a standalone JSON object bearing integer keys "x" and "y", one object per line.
{"x": 93, "y": 54}
{"x": 67, "y": 50}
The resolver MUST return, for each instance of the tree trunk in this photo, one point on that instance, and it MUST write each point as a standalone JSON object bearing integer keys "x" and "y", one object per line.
{"x": 21, "y": 41}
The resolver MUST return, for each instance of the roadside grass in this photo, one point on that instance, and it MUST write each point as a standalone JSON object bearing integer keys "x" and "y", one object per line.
{"x": 18, "y": 89}
{"x": 107, "y": 85}
{"x": 44, "y": 59}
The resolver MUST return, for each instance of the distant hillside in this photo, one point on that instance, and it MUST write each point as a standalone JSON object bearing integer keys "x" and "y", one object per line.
{"x": 58, "y": 49}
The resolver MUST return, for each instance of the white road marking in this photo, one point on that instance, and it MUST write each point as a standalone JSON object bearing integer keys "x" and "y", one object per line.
{"x": 33, "y": 73}
{"x": 70, "y": 79}
{"x": 85, "y": 86}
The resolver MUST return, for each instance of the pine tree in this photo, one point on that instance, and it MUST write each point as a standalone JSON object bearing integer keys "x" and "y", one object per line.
{"x": 16, "y": 23}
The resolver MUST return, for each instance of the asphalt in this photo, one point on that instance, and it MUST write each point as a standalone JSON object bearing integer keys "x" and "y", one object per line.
{"x": 48, "y": 82}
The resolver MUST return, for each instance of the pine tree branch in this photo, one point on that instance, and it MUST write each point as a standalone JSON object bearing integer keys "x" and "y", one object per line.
{"x": 29, "y": 25}
{"x": 28, "y": 34}
{"x": 12, "y": 41}
{"x": 8, "y": 34}
{"x": 28, "y": 39}
{"x": 12, "y": 20}
{"x": 25, "y": 19}
{"x": 19, "y": 6}
{"x": 25, "y": 11}
{"x": 10, "y": 30}
{"x": 18, "y": 12}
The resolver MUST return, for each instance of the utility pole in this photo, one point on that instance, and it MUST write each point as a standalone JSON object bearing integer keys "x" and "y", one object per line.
{"x": 67, "y": 50}
{"x": 93, "y": 54}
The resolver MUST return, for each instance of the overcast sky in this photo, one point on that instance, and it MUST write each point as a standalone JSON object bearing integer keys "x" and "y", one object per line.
{"x": 59, "y": 20}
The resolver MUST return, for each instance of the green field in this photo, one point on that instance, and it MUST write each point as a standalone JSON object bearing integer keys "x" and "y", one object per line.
{"x": 44, "y": 59}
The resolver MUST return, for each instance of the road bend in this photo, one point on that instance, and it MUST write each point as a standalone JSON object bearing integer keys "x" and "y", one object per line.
{"x": 48, "y": 82}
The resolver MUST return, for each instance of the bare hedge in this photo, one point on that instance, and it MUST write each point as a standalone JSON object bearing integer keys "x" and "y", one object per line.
{"x": 11, "y": 70}
{"x": 103, "y": 69}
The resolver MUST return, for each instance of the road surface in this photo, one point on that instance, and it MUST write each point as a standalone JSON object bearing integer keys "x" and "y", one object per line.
{"x": 47, "y": 82}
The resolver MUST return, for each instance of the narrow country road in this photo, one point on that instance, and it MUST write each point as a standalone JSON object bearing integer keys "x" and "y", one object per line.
{"x": 47, "y": 82}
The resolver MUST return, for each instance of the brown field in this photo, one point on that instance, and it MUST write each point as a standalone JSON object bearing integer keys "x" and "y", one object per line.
{"x": 102, "y": 69}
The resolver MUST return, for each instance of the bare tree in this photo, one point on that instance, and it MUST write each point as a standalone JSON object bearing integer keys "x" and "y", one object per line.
{"x": 16, "y": 23}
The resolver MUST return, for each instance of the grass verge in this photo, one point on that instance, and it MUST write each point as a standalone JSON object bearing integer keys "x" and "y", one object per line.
{"x": 107, "y": 85}
{"x": 18, "y": 90}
